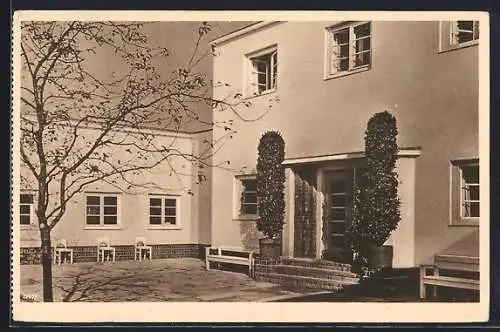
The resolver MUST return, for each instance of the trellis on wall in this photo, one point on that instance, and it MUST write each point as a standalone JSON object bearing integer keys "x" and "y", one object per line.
{"x": 305, "y": 212}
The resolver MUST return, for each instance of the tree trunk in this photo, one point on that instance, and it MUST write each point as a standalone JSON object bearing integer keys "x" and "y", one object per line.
{"x": 46, "y": 264}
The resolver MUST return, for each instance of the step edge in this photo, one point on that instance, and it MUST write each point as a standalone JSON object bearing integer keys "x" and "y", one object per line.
{"x": 331, "y": 274}
{"x": 278, "y": 275}
{"x": 347, "y": 274}
{"x": 313, "y": 261}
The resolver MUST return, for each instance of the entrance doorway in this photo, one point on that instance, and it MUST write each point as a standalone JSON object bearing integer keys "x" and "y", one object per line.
{"x": 337, "y": 214}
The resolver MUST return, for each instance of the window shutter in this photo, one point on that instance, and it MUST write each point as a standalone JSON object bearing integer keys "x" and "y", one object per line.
{"x": 476, "y": 30}
{"x": 254, "y": 80}
{"x": 334, "y": 54}
{"x": 454, "y": 33}
{"x": 455, "y": 193}
{"x": 274, "y": 68}
{"x": 352, "y": 48}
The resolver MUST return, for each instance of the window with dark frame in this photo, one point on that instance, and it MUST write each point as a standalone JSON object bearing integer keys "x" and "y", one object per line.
{"x": 362, "y": 45}
{"x": 163, "y": 211}
{"x": 465, "y": 192}
{"x": 469, "y": 198}
{"x": 249, "y": 197}
{"x": 350, "y": 48}
{"x": 464, "y": 32}
{"x": 26, "y": 209}
{"x": 264, "y": 72}
{"x": 101, "y": 210}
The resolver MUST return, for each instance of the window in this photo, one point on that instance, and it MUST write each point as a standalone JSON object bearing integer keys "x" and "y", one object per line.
{"x": 26, "y": 209}
{"x": 163, "y": 211}
{"x": 349, "y": 48}
{"x": 458, "y": 34}
{"x": 263, "y": 71}
{"x": 249, "y": 197}
{"x": 464, "y": 31}
{"x": 465, "y": 192}
{"x": 102, "y": 210}
{"x": 469, "y": 189}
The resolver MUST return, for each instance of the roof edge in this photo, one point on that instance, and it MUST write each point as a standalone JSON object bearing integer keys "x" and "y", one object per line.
{"x": 165, "y": 132}
{"x": 241, "y": 32}
{"x": 406, "y": 152}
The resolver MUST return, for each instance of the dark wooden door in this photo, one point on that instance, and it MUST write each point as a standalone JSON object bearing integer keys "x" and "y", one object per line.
{"x": 305, "y": 213}
{"x": 338, "y": 191}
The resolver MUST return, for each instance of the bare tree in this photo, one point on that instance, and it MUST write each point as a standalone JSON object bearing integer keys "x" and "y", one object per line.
{"x": 73, "y": 117}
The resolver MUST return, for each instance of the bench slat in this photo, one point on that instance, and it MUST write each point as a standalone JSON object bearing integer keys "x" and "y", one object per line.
{"x": 227, "y": 257}
{"x": 457, "y": 266}
{"x": 449, "y": 262}
{"x": 460, "y": 263}
{"x": 235, "y": 249}
{"x": 451, "y": 282}
{"x": 457, "y": 259}
{"x": 229, "y": 260}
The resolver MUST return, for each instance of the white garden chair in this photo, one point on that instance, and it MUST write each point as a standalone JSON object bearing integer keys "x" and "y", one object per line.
{"x": 104, "y": 249}
{"x": 141, "y": 248}
{"x": 61, "y": 249}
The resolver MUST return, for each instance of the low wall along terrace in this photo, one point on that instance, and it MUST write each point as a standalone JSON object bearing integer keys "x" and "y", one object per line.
{"x": 82, "y": 254}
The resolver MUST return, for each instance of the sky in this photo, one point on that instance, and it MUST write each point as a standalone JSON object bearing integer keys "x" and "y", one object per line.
{"x": 179, "y": 38}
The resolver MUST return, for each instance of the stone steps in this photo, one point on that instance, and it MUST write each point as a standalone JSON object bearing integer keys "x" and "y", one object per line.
{"x": 324, "y": 264}
{"x": 315, "y": 272}
{"x": 305, "y": 274}
{"x": 301, "y": 282}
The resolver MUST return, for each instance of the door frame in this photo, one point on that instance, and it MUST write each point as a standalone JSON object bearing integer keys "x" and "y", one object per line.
{"x": 320, "y": 197}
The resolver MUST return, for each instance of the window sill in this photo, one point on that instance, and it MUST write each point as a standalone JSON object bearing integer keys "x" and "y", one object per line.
{"x": 248, "y": 217}
{"x": 28, "y": 227}
{"x": 347, "y": 73}
{"x": 102, "y": 227}
{"x": 451, "y": 48}
{"x": 162, "y": 227}
{"x": 263, "y": 93}
{"x": 249, "y": 176}
{"x": 465, "y": 222}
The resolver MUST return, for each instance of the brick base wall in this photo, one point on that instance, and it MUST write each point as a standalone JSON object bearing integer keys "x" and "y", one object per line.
{"x": 31, "y": 255}
{"x": 82, "y": 254}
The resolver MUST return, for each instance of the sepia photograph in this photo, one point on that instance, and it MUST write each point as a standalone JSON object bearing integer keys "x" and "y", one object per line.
{"x": 207, "y": 166}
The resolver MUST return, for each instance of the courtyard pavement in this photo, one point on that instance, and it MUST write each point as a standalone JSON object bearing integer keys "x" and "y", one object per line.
{"x": 184, "y": 279}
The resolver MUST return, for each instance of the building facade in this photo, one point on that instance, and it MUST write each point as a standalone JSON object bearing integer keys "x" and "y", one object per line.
{"x": 318, "y": 83}
{"x": 164, "y": 205}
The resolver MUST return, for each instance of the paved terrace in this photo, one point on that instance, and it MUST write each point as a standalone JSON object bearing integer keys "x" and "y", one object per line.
{"x": 182, "y": 279}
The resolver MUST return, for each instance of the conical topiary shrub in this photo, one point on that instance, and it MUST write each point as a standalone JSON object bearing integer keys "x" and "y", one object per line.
{"x": 376, "y": 205}
{"x": 271, "y": 191}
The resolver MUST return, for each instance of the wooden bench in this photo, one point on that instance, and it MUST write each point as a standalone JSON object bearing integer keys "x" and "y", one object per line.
{"x": 452, "y": 263}
{"x": 230, "y": 255}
